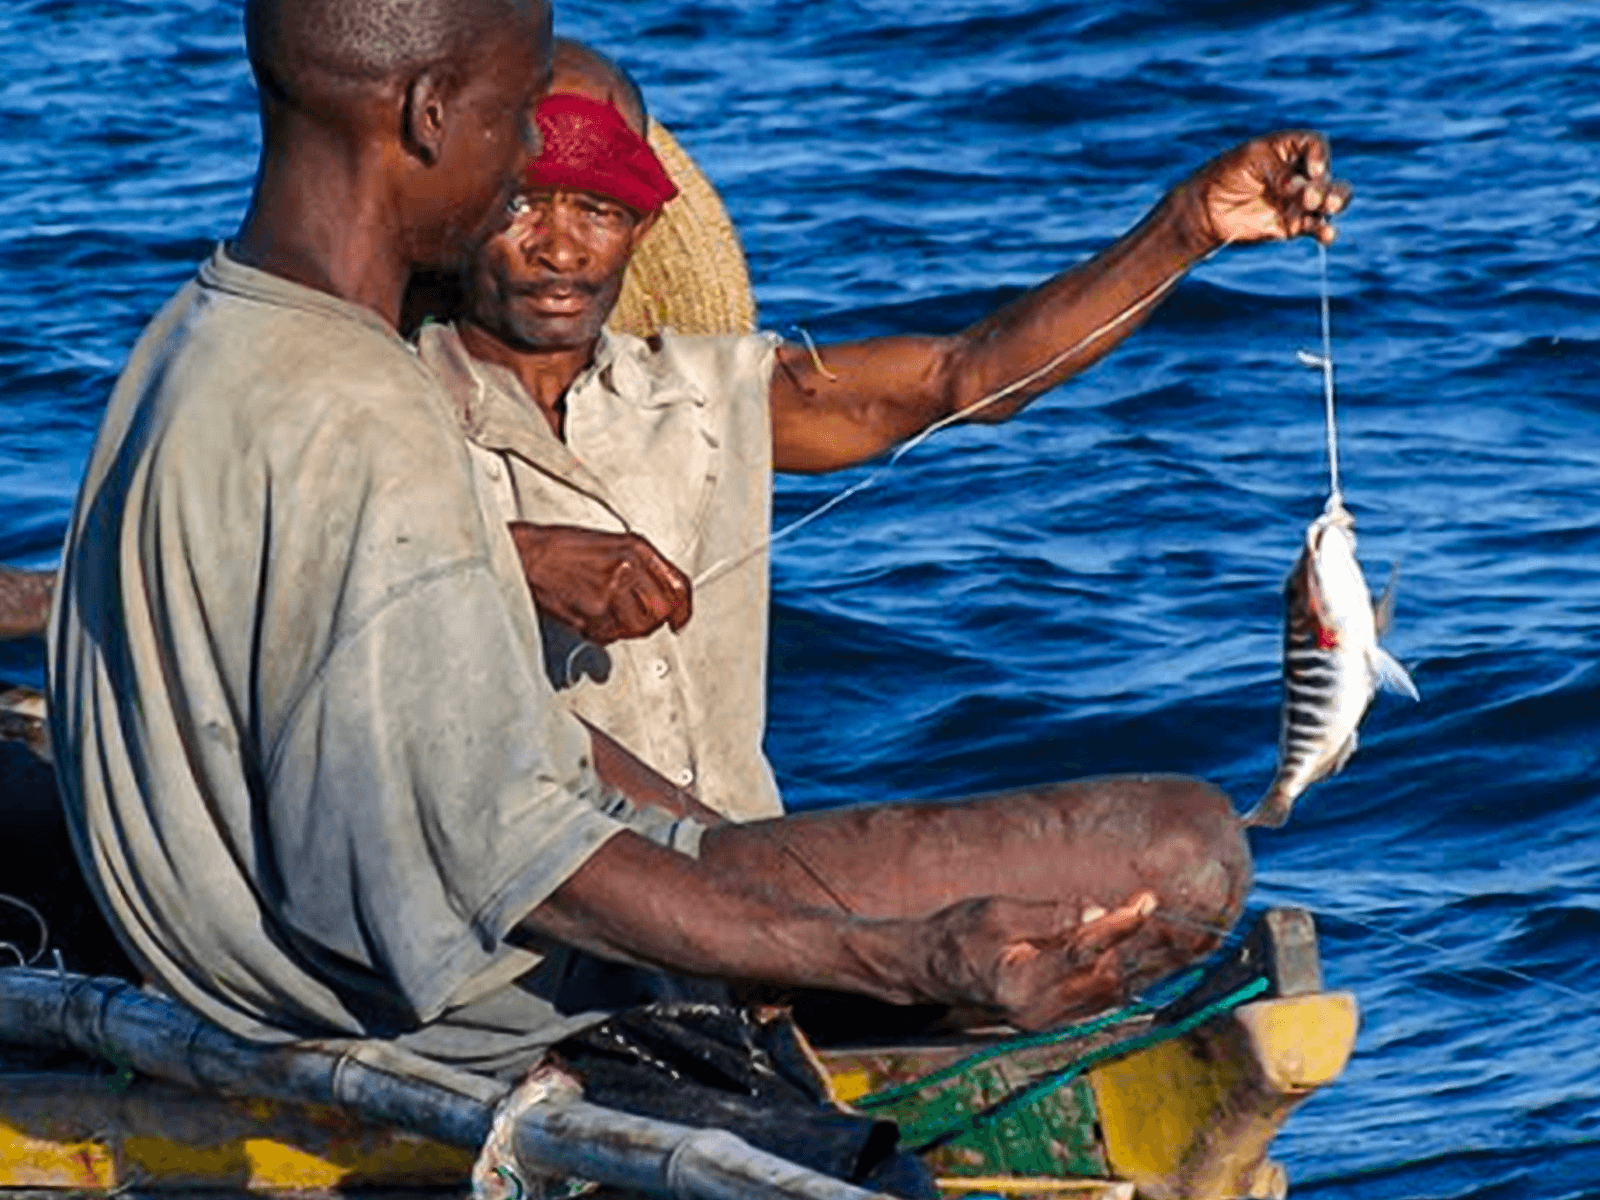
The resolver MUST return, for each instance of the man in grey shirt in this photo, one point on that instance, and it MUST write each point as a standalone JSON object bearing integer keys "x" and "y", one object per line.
{"x": 310, "y": 761}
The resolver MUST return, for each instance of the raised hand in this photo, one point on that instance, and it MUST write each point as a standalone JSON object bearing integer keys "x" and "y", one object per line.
{"x": 607, "y": 586}
{"x": 1270, "y": 188}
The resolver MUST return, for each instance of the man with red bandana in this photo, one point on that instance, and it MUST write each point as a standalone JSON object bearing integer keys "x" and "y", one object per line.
{"x": 633, "y": 467}
{"x": 603, "y": 534}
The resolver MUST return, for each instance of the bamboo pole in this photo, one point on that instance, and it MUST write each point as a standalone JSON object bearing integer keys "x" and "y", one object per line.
{"x": 114, "y": 1020}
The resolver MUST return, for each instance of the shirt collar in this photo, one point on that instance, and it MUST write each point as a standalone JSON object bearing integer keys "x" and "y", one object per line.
{"x": 224, "y": 273}
{"x": 497, "y": 413}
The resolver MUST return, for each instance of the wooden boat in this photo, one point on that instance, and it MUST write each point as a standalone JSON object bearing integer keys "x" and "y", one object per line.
{"x": 1175, "y": 1103}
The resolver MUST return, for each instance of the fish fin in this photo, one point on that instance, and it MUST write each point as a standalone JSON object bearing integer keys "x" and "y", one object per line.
{"x": 1383, "y": 614}
{"x": 1391, "y": 675}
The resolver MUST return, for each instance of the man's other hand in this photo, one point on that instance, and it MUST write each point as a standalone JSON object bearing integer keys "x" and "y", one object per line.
{"x": 1268, "y": 189}
{"x": 1035, "y": 963}
{"x": 607, "y": 586}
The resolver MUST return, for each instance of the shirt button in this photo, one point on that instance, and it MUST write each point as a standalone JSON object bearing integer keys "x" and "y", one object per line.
{"x": 659, "y": 668}
{"x": 684, "y": 777}
{"x": 493, "y": 471}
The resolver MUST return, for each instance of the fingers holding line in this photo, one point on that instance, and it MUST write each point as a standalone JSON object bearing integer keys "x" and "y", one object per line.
{"x": 1311, "y": 193}
{"x": 1089, "y": 929}
{"x": 1100, "y": 934}
{"x": 674, "y": 586}
{"x": 1107, "y": 929}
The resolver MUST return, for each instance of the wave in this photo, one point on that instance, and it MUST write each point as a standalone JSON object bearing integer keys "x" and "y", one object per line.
{"x": 1550, "y": 1171}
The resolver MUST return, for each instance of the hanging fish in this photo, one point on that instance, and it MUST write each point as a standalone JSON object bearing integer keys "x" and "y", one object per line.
{"x": 1332, "y": 663}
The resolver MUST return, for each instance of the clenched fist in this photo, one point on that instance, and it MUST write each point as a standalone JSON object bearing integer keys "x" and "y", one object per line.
{"x": 1270, "y": 188}
{"x": 607, "y": 586}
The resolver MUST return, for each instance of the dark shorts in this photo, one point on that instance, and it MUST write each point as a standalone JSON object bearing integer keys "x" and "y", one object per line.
{"x": 716, "y": 1066}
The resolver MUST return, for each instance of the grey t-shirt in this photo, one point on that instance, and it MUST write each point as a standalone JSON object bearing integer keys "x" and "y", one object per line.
{"x": 306, "y": 747}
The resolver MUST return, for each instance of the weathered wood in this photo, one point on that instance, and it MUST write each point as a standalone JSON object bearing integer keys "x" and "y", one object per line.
{"x": 1281, "y": 947}
{"x": 1193, "y": 1118}
{"x": 108, "y": 1132}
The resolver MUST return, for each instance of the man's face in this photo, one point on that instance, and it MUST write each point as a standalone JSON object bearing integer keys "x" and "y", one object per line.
{"x": 491, "y": 138}
{"x": 550, "y": 280}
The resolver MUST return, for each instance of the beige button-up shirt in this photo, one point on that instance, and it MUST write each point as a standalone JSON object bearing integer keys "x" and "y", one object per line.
{"x": 671, "y": 439}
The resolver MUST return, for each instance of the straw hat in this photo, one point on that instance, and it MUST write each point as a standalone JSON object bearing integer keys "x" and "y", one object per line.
{"x": 689, "y": 272}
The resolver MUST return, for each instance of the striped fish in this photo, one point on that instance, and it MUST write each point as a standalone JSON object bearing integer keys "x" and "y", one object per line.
{"x": 1332, "y": 663}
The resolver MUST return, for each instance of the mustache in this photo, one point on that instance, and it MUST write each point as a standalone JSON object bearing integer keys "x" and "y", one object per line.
{"x": 555, "y": 285}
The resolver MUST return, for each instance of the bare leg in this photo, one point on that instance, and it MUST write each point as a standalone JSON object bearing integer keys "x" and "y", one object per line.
{"x": 24, "y": 602}
{"x": 1093, "y": 840}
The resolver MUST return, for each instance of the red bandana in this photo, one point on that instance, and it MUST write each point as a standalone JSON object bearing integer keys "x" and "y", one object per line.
{"x": 588, "y": 148}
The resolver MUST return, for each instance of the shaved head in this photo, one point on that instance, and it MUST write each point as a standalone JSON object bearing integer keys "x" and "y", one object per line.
{"x": 584, "y": 71}
{"x": 394, "y": 135}
{"x": 295, "y": 45}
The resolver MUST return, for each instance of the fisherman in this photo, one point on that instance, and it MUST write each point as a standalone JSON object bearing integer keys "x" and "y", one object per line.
{"x": 312, "y": 769}
{"x": 630, "y": 467}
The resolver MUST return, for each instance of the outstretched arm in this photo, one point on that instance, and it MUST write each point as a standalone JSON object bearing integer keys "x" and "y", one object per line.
{"x": 864, "y": 397}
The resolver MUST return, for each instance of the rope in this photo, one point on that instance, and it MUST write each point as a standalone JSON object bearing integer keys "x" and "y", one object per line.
{"x": 1047, "y": 1084}
{"x": 1023, "y": 1042}
{"x": 44, "y": 932}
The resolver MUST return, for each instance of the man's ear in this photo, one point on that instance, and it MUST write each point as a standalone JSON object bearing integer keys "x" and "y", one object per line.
{"x": 422, "y": 121}
{"x": 643, "y": 227}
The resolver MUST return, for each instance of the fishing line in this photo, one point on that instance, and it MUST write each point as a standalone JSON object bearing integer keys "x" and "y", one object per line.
{"x": 1327, "y": 375}
{"x": 1423, "y": 943}
{"x": 1226, "y": 933}
{"x": 722, "y": 567}
{"x": 1405, "y": 939}
{"x": 1335, "y": 498}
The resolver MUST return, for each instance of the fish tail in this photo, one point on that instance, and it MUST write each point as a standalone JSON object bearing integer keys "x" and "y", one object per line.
{"x": 1271, "y": 811}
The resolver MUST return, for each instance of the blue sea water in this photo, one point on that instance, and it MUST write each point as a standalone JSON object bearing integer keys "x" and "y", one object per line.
{"x": 1094, "y": 586}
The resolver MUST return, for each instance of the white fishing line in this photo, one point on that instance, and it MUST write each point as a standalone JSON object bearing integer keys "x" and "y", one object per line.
{"x": 1327, "y": 376}
{"x": 723, "y": 566}
{"x": 1335, "y": 497}
{"x": 1460, "y": 972}
{"x": 1233, "y": 935}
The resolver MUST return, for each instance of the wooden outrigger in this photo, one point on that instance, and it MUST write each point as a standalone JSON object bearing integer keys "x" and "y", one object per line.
{"x": 1176, "y": 1103}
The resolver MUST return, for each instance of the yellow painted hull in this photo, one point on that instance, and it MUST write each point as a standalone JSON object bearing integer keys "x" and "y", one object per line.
{"x": 1188, "y": 1119}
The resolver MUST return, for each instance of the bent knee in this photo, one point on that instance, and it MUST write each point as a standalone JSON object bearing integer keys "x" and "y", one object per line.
{"x": 1198, "y": 848}
{"x": 1178, "y": 835}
